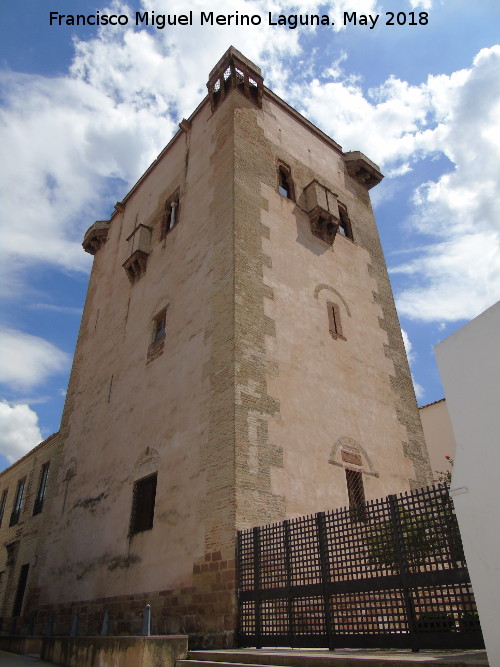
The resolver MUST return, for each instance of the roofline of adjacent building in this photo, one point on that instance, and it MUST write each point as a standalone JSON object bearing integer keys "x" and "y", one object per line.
{"x": 41, "y": 445}
{"x": 440, "y": 400}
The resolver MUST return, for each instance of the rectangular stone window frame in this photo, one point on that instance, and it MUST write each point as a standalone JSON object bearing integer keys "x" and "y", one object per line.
{"x": 42, "y": 488}
{"x": 334, "y": 322}
{"x": 18, "y": 502}
{"x": 143, "y": 504}
{"x": 3, "y": 502}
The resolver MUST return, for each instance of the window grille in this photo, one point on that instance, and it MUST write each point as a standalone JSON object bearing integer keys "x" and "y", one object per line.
{"x": 356, "y": 493}
{"x": 143, "y": 504}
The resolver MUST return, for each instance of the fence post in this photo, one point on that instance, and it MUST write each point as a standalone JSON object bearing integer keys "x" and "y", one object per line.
{"x": 402, "y": 560}
{"x": 257, "y": 587}
{"x": 105, "y": 624}
{"x": 146, "y": 621}
{"x": 288, "y": 570}
{"x": 325, "y": 575}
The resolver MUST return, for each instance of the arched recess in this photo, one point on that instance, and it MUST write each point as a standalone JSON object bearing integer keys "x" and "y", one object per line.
{"x": 347, "y": 452}
{"x": 339, "y": 296}
{"x": 146, "y": 464}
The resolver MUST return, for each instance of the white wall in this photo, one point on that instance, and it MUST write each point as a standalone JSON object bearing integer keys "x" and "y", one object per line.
{"x": 469, "y": 365}
{"x": 439, "y": 438}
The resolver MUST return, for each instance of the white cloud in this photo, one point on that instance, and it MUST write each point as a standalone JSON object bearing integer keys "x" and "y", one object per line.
{"x": 127, "y": 89}
{"x": 407, "y": 344}
{"x": 19, "y": 431}
{"x": 28, "y": 360}
{"x": 419, "y": 390}
{"x": 66, "y": 137}
{"x": 458, "y": 275}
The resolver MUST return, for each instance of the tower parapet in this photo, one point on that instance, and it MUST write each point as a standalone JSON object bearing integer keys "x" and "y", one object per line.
{"x": 234, "y": 71}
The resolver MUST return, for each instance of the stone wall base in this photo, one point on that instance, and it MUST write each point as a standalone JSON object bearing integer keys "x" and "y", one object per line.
{"x": 205, "y": 611}
{"x": 22, "y": 645}
{"x": 112, "y": 651}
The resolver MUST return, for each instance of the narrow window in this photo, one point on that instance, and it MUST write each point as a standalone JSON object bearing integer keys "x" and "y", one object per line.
{"x": 2, "y": 505}
{"x": 159, "y": 330}
{"x": 345, "y": 224}
{"x": 356, "y": 493}
{"x": 21, "y": 587}
{"x": 170, "y": 216}
{"x": 143, "y": 505}
{"x": 334, "y": 322}
{"x": 160, "y": 326}
{"x": 42, "y": 488}
{"x": 18, "y": 504}
{"x": 285, "y": 183}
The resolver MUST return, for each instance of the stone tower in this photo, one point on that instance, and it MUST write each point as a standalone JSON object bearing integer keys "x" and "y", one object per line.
{"x": 239, "y": 361}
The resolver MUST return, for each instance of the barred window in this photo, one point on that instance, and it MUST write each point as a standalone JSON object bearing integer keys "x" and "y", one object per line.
{"x": 42, "y": 488}
{"x": 143, "y": 504}
{"x": 356, "y": 493}
{"x": 18, "y": 504}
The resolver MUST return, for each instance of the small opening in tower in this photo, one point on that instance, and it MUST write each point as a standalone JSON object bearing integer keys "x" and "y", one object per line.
{"x": 160, "y": 326}
{"x": 345, "y": 227}
{"x": 170, "y": 216}
{"x": 285, "y": 183}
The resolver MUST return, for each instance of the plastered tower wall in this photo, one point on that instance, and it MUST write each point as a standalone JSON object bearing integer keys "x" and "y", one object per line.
{"x": 246, "y": 407}
{"x": 301, "y": 395}
{"x": 130, "y": 413}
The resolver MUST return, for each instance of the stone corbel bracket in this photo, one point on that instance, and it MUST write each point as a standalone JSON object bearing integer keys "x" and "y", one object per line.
{"x": 363, "y": 170}
{"x": 95, "y": 236}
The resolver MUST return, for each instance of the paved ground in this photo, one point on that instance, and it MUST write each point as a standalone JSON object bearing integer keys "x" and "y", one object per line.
{"x": 476, "y": 658}
{"x": 15, "y": 660}
{"x": 359, "y": 656}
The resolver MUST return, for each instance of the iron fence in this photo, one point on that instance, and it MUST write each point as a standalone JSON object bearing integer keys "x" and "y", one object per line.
{"x": 390, "y": 573}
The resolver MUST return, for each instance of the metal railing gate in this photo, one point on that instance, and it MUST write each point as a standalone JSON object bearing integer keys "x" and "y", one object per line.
{"x": 391, "y": 573}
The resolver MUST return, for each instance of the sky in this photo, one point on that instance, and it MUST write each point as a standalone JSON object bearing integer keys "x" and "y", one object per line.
{"x": 85, "y": 109}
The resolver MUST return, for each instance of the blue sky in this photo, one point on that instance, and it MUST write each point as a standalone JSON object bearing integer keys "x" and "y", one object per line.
{"x": 85, "y": 110}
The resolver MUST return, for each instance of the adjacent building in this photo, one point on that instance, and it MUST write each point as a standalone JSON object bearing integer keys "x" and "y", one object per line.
{"x": 439, "y": 437}
{"x": 239, "y": 361}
